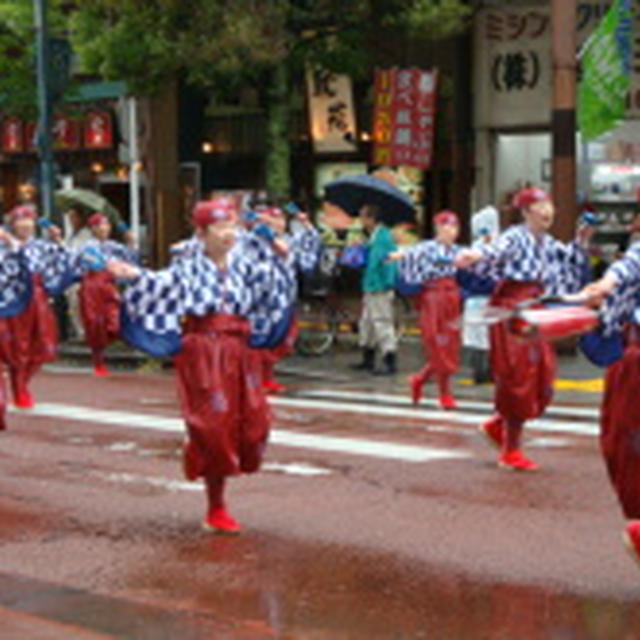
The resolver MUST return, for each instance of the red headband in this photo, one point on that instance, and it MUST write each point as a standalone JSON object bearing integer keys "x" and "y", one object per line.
{"x": 23, "y": 212}
{"x": 212, "y": 211}
{"x": 446, "y": 217}
{"x": 529, "y": 196}
{"x": 97, "y": 219}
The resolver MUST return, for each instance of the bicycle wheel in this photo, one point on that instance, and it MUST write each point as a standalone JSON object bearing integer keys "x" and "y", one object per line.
{"x": 317, "y": 327}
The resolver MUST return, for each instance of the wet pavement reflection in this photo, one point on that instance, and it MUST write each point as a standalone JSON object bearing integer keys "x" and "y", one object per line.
{"x": 290, "y": 590}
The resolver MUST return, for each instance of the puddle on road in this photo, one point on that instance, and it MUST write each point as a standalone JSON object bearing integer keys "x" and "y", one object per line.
{"x": 301, "y": 591}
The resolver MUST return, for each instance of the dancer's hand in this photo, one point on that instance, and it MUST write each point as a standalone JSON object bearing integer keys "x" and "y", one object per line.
{"x": 122, "y": 270}
{"x": 585, "y": 234}
{"x": 55, "y": 234}
{"x": 304, "y": 219}
{"x": 394, "y": 256}
{"x": 130, "y": 239}
{"x": 600, "y": 289}
{"x": 466, "y": 258}
{"x": 281, "y": 247}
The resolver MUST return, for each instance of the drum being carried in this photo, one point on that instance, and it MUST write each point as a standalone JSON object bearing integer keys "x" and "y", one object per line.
{"x": 554, "y": 323}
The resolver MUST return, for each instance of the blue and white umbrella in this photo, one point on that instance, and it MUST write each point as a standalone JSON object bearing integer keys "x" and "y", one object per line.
{"x": 352, "y": 192}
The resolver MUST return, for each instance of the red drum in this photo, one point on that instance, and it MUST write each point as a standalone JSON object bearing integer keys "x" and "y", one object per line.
{"x": 554, "y": 323}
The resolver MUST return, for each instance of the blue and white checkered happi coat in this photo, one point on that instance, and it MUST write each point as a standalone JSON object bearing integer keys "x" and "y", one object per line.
{"x": 626, "y": 270}
{"x": 193, "y": 285}
{"x": 521, "y": 256}
{"x": 110, "y": 250}
{"x": 618, "y": 308}
{"x": 304, "y": 249}
{"x": 15, "y": 282}
{"x": 420, "y": 262}
{"x": 50, "y": 260}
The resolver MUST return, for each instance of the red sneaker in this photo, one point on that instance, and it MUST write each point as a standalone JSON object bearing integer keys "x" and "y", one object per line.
{"x": 101, "y": 371}
{"x": 493, "y": 431}
{"x": 24, "y": 401}
{"x": 416, "y": 388}
{"x": 448, "y": 402}
{"x": 631, "y": 537}
{"x": 516, "y": 461}
{"x": 271, "y": 386}
{"x": 190, "y": 466}
{"x": 219, "y": 521}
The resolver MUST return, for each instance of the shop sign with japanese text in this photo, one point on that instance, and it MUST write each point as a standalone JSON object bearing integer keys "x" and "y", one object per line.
{"x": 513, "y": 64}
{"x": 404, "y": 117}
{"x": 332, "y": 117}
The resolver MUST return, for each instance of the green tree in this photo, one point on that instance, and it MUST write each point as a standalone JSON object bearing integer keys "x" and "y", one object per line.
{"x": 221, "y": 45}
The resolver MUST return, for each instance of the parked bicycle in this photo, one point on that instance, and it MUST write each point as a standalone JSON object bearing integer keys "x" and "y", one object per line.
{"x": 329, "y": 305}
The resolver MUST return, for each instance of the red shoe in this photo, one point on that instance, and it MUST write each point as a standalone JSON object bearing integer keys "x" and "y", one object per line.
{"x": 448, "y": 402}
{"x": 190, "y": 466}
{"x": 631, "y": 538}
{"x": 516, "y": 461}
{"x": 219, "y": 521}
{"x": 416, "y": 385}
{"x": 101, "y": 371}
{"x": 24, "y": 401}
{"x": 493, "y": 431}
{"x": 271, "y": 386}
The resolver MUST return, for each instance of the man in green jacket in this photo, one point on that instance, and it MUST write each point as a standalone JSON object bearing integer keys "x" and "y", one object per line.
{"x": 376, "y": 328}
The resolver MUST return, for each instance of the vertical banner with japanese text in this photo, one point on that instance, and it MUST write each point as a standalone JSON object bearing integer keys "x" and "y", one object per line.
{"x": 332, "y": 119}
{"x": 404, "y": 117}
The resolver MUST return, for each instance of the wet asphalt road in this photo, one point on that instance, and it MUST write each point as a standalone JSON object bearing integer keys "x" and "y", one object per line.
{"x": 370, "y": 520}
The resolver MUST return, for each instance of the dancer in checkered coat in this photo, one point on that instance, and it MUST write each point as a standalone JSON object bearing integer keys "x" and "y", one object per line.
{"x": 619, "y": 335}
{"x": 99, "y": 295}
{"x": 529, "y": 263}
{"x": 211, "y": 309}
{"x": 295, "y": 252}
{"x": 430, "y": 263}
{"x": 33, "y": 270}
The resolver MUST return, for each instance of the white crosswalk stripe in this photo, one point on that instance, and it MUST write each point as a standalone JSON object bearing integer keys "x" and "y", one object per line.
{"x": 577, "y": 427}
{"x": 286, "y": 438}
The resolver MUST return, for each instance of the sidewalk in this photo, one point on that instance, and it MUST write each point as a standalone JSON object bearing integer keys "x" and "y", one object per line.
{"x": 577, "y": 381}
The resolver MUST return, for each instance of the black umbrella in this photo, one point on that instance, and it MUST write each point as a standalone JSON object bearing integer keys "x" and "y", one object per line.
{"x": 352, "y": 192}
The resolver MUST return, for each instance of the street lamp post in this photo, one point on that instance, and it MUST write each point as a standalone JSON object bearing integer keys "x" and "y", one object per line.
{"x": 44, "y": 106}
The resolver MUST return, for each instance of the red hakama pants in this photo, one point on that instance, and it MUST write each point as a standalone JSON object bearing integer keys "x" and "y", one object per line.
{"x": 439, "y": 313}
{"x": 29, "y": 339}
{"x": 100, "y": 312}
{"x": 221, "y": 397}
{"x": 523, "y": 370}
{"x": 620, "y": 426}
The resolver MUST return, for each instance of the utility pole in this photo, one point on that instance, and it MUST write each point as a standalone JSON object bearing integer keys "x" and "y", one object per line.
{"x": 563, "y": 117}
{"x": 44, "y": 106}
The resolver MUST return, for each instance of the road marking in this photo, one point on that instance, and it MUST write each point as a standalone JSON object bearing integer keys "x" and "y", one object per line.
{"x": 296, "y": 469}
{"x": 552, "y": 426}
{"x": 351, "y": 446}
{"x": 160, "y": 483}
{"x": 381, "y": 398}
